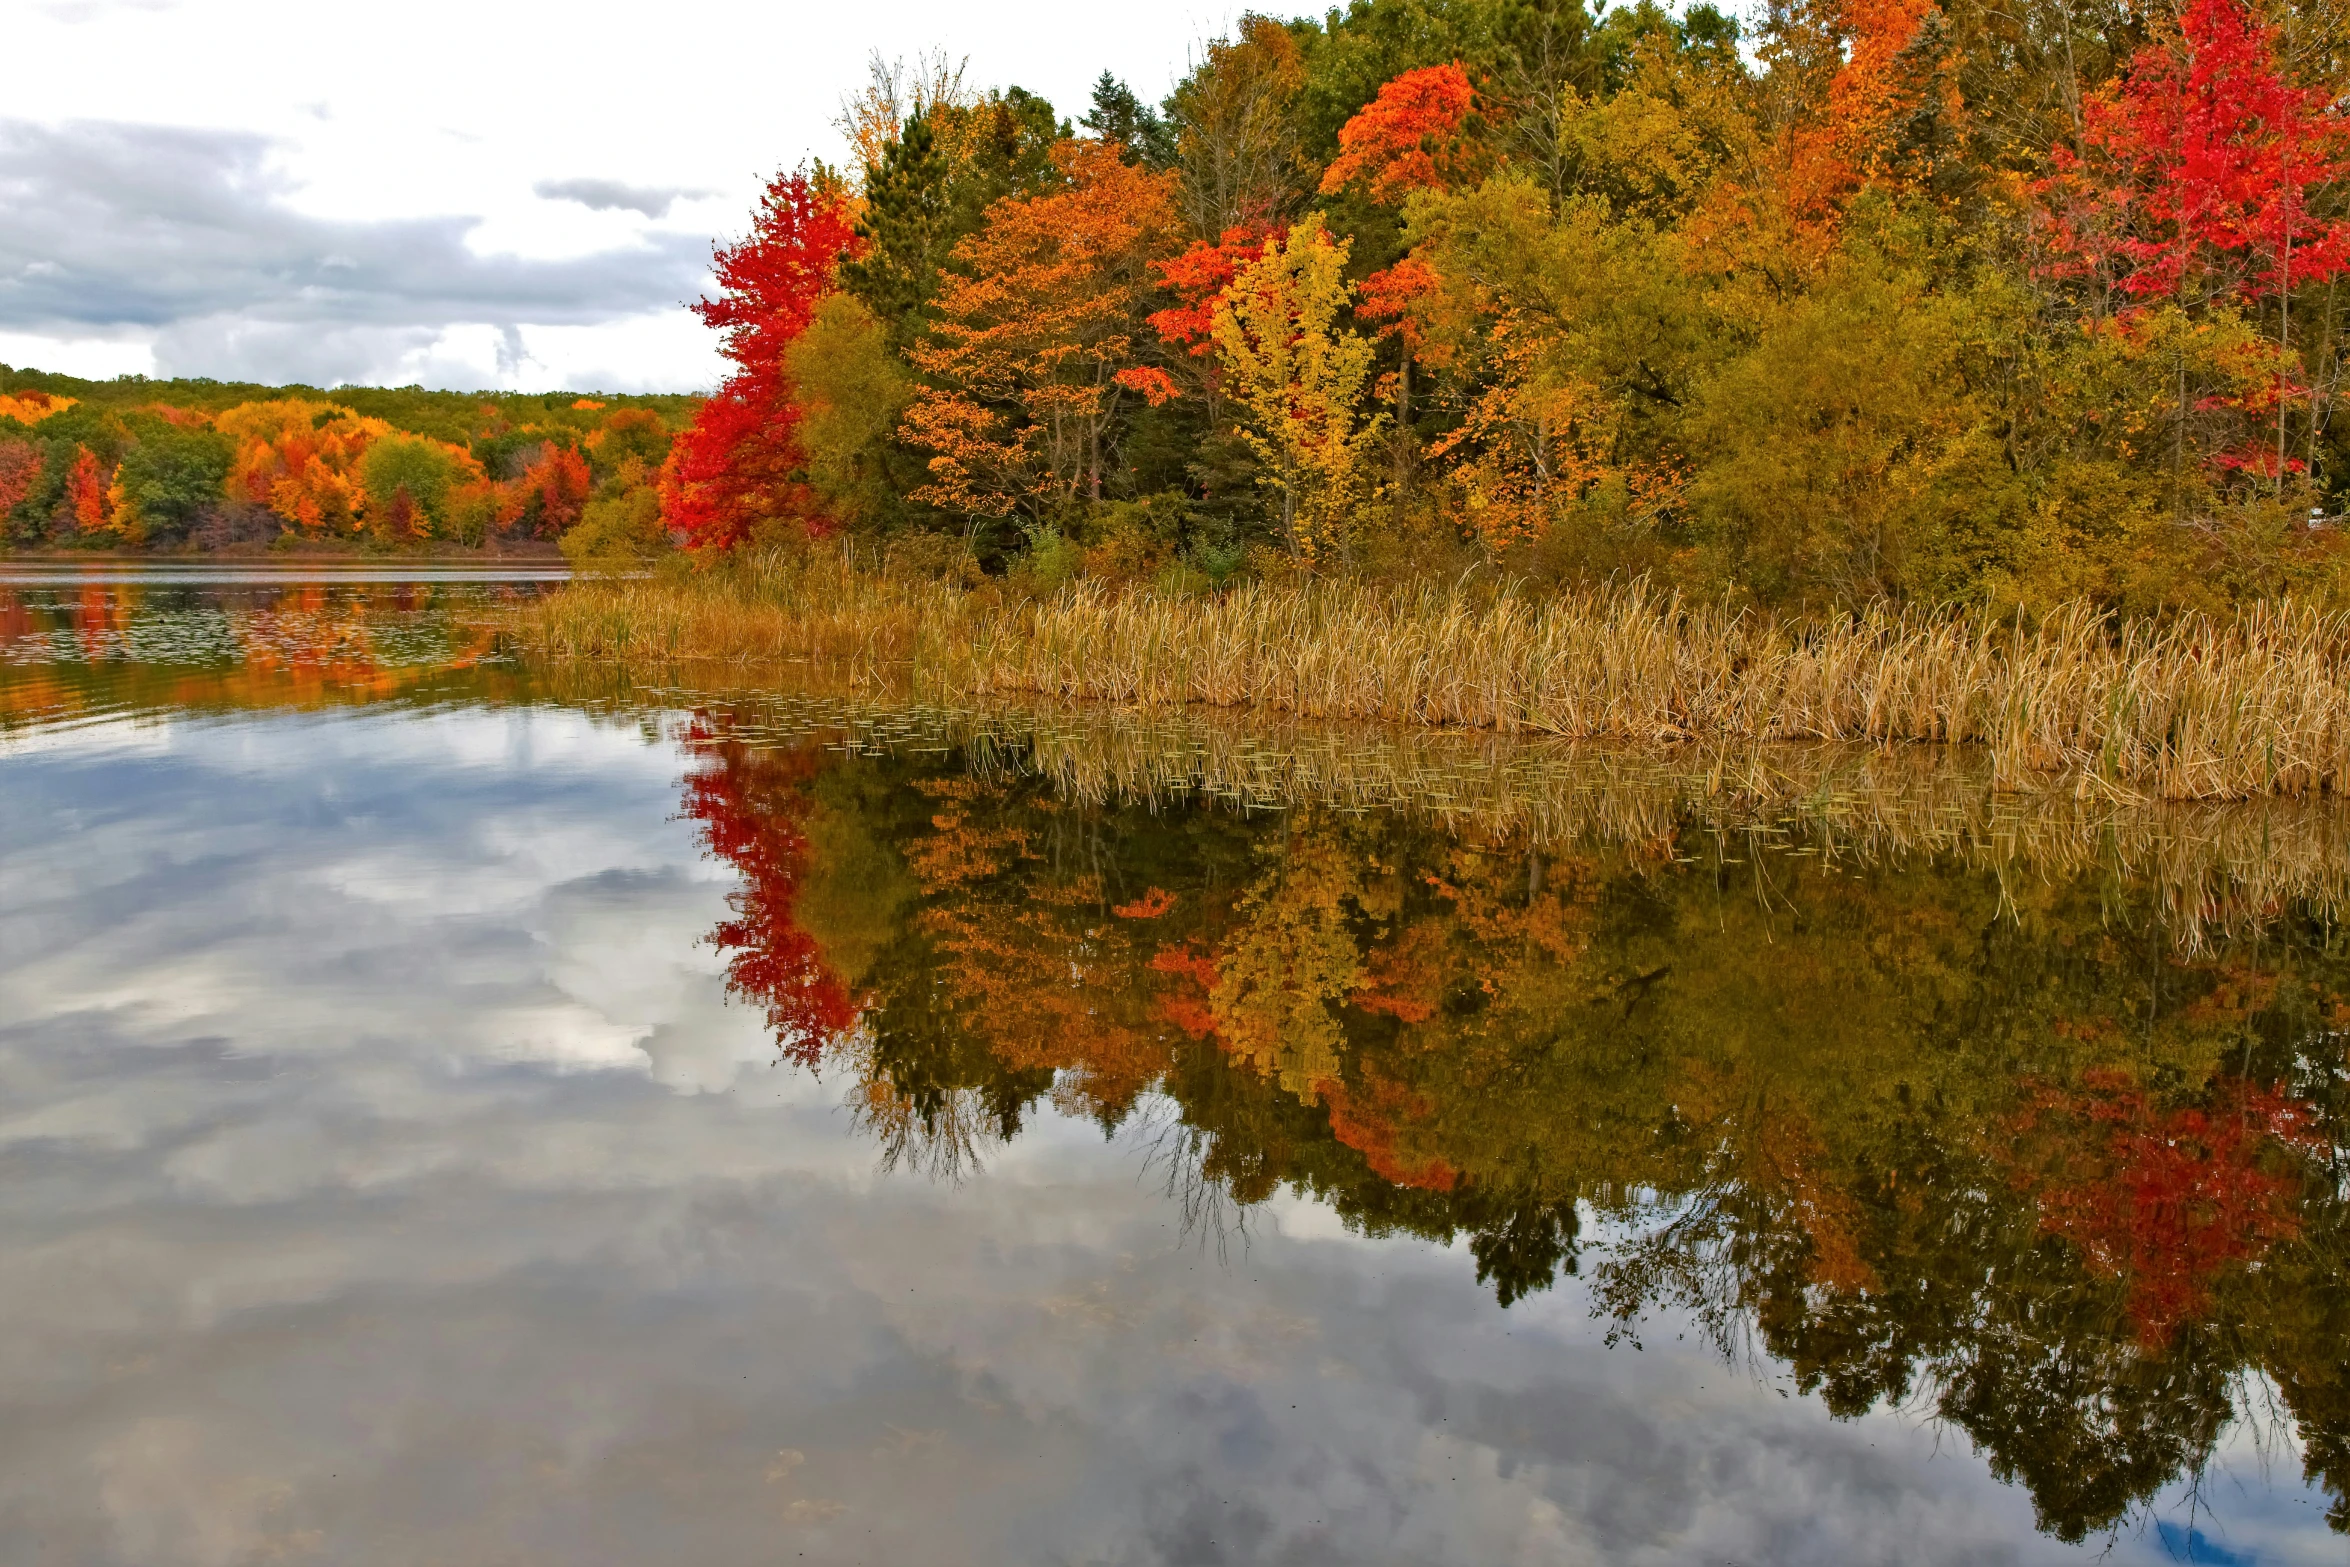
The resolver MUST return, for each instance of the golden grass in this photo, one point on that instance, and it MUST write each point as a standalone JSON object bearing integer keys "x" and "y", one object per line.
{"x": 2192, "y": 709}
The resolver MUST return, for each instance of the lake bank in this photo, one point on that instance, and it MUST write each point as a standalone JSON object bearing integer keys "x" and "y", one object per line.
{"x": 2194, "y": 708}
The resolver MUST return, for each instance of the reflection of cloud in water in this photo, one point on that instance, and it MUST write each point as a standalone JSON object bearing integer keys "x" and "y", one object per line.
{"x": 389, "y": 1180}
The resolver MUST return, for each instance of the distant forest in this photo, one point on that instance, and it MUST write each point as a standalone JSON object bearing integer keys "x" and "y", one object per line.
{"x": 212, "y": 465}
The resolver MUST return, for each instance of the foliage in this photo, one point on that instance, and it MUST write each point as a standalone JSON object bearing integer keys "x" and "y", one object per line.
{"x": 739, "y": 465}
{"x": 1298, "y": 374}
{"x": 618, "y": 531}
{"x": 201, "y": 465}
{"x": 1037, "y": 342}
{"x": 410, "y": 481}
{"x": 1411, "y": 137}
{"x": 852, "y": 391}
{"x": 1886, "y": 299}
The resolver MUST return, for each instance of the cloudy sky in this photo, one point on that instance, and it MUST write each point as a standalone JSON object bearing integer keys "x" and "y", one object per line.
{"x": 462, "y": 195}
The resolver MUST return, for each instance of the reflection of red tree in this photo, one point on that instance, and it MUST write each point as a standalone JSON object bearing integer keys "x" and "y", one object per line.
{"x": 750, "y": 805}
{"x": 2164, "y": 1199}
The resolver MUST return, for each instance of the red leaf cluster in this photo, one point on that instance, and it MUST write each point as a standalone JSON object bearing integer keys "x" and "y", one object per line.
{"x": 749, "y": 804}
{"x": 1199, "y": 278}
{"x": 2197, "y": 168}
{"x": 738, "y": 463}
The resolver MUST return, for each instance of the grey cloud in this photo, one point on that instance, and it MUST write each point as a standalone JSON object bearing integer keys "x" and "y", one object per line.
{"x": 187, "y": 233}
{"x": 612, "y": 196}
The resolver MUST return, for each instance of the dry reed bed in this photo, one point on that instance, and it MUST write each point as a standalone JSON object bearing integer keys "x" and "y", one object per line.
{"x": 2193, "y": 709}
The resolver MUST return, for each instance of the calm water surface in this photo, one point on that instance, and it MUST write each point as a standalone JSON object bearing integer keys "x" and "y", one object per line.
{"x": 448, "y": 1118}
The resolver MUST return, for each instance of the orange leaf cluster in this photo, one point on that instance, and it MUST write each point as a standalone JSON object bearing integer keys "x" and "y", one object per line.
{"x": 1035, "y": 344}
{"x": 301, "y": 460}
{"x": 1411, "y": 137}
{"x": 30, "y": 407}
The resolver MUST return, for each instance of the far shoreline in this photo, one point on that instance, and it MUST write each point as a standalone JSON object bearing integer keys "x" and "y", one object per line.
{"x": 535, "y": 555}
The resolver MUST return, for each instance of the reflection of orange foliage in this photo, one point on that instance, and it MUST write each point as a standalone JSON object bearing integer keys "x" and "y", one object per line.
{"x": 1789, "y": 1153}
{"x": 2165, "y": 1199}
{"x": 313, "y": 647}
{"x": 1364, "y": 1119}
{"x": 1185, "y": 1003}
{"x": 1030, "y": 961}
{"x": 1152, "y": 904}
{"x": 750, "y": 805}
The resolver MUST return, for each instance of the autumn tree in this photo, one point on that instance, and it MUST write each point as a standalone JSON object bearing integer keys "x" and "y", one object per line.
{"x": 739, "y": 464}
{"x": 932, "y": 186}
{"x": 1235, "y": 131}
{"x": 852, "y": 389}
{"x": 2200, "y": 180}
{"x": 1038, "y": 338}
{"x": 86, "y": 495}
{"x": 301, "y": 459}
{"x": 1413, "y": 136}
{"x": 410, "y": 480}
{"x": 1298, "y": 374}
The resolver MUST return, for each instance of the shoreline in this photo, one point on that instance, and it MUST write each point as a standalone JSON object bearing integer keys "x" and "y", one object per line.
{"x": 2198, "y": 709}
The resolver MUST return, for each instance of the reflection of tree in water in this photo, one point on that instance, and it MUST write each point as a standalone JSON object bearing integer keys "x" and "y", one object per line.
{"x": 1994, "y": 1149}
{"x": 145, "y": 645}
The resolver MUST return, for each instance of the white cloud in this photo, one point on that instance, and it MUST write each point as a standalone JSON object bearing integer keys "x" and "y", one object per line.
{"x": 425, "y": 145}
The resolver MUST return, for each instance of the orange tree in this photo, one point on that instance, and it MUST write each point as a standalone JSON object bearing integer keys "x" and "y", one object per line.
{"x": 1038, "y": 340}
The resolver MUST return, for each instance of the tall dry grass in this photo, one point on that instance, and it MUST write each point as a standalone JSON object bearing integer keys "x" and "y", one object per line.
{"x": 2191, "y": 709}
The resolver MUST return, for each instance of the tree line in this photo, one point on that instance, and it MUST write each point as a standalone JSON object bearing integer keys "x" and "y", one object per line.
{"x": 1861, "y": 299}
{"x": 134, "y": 463}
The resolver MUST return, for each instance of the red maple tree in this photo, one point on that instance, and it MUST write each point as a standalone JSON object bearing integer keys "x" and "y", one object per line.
{"x": 1413, "y": 136}
{"x": 740, "y": 462}
{"x": 2197, "y": 169}
{"x": 1199, "y": 277}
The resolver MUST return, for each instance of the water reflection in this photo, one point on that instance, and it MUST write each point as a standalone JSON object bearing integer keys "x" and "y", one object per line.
{"x": 453, "y": 1113}
{"x": 94, "y": 644}
{"x": 1926, "y": 1135}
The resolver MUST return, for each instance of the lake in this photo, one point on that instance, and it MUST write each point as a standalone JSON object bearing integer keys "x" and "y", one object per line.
{"x": 452, "y": 1112}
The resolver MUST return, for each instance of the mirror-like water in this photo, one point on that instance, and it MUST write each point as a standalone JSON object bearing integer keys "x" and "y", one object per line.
{"x": 450, "y": 1117}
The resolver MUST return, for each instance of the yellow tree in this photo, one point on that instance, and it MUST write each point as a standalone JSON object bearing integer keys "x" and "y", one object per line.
{"x": 1035, "y": 346}
{"x": 1298, "y": 375}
